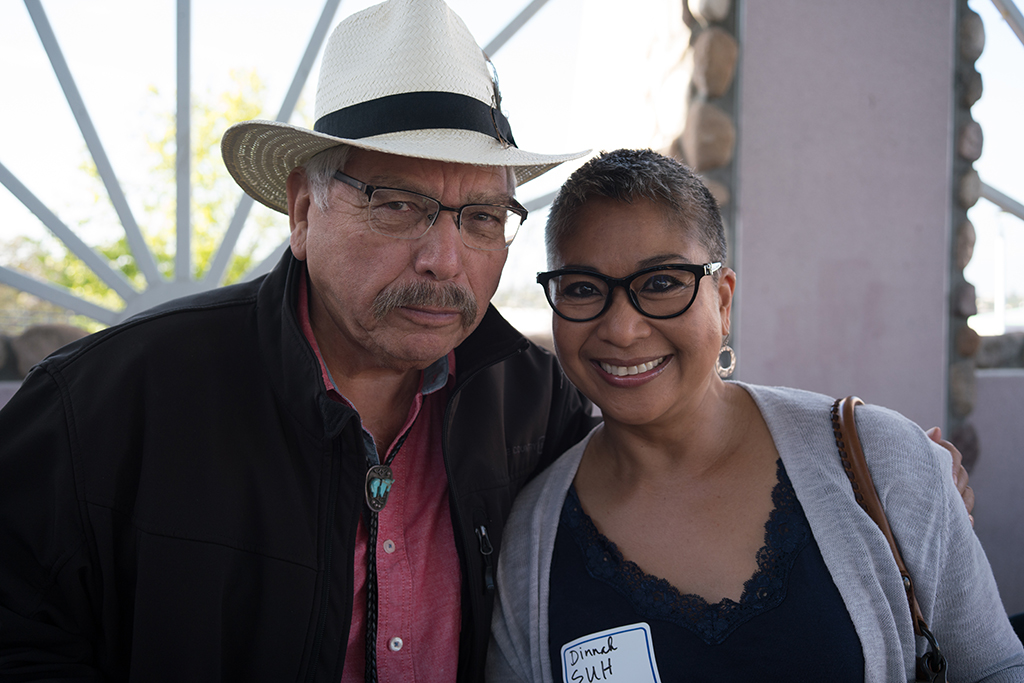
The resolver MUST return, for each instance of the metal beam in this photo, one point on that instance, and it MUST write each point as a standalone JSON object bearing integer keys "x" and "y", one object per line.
{"x": 220, "y": 262}
{"x": 513, "y": 27}
{"x": 56, "y": 295}
{"x": 97, "y": 263}
{"x": 183, "y": 146}
{"x": 143, "y": 257}
{"x": 316, "y": 40}
{"x": 219, "y": 266}
{"x": 1012, "y": 16}
{"x": 1007, "y": 204}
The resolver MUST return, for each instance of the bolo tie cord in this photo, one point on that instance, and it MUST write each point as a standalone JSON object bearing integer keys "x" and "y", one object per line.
{"x": 371, "y": 579}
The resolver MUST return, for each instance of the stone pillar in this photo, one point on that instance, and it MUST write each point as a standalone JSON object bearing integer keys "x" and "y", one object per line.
{"x": 967, "y": 146}
{"x": 708, "y": 141}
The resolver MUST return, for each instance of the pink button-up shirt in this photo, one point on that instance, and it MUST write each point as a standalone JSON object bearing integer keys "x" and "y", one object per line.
{"x": 418, "y": 576}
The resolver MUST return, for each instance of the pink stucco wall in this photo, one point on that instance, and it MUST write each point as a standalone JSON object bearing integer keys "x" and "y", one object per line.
{"x": 843, "y": 229}
{"x": 998, "y": 480}
{"x": 843, "y": 200}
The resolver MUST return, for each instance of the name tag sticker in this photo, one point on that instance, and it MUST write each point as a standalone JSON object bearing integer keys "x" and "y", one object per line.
{"x": 618, "y": 654}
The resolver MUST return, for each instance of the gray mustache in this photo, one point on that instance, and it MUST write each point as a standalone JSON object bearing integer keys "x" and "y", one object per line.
{"x": 422, "y": 294}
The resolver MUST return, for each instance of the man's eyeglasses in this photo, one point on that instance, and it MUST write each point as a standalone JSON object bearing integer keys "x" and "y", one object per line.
{"x": 409, "y": 215}
{"x": 657, "y": 292}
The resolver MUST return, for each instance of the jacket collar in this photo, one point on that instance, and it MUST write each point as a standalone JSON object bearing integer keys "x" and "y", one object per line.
{"x": 492, "y": 341}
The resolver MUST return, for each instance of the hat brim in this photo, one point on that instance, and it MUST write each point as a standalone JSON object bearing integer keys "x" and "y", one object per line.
{"x": 260, "y": 155}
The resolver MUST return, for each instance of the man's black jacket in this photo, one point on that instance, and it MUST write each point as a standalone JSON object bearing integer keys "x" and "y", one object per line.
{"x": 179, "y": 497}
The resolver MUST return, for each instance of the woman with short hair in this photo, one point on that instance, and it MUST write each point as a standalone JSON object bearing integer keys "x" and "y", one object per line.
{"x": 707, "y": 529}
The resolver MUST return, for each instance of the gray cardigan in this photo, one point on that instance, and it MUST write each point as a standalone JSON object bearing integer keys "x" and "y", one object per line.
{"x": 953, "y": 580}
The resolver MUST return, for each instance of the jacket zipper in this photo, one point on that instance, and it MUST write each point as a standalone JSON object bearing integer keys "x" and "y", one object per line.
{"x": 486, "y": 550}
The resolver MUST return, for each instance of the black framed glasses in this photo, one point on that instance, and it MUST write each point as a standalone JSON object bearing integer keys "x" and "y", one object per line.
{"x": 664, "y": 291}
{"x": 409, "y": 215}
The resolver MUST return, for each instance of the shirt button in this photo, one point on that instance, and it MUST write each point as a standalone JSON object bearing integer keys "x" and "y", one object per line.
{"x": 395, "y": 644}
{"x": 389, "y": 547}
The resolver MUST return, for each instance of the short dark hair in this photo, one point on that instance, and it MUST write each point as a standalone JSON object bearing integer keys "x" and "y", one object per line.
{"x": 628, "y": 175}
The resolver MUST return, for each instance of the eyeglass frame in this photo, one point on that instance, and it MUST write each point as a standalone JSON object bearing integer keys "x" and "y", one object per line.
{"x": 368, "y": 190}
{"x": 612, "y": 282}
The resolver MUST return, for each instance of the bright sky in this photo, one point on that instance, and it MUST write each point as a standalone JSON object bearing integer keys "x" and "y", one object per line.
{"x": 581, "y": 74}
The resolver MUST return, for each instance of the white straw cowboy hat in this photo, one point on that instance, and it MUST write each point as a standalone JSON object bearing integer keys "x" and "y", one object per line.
{"x": 403, "y": 77}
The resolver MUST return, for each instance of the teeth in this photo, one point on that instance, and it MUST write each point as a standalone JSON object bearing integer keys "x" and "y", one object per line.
{"x": 623, "y": 370}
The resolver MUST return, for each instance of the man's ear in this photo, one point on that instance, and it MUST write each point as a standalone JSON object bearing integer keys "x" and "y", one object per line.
{"x": 299, "y": 206}
{"x": 726, "y": 289}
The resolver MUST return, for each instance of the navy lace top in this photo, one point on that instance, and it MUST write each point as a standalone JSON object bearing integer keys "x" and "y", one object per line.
{"x": 790, "y": 623}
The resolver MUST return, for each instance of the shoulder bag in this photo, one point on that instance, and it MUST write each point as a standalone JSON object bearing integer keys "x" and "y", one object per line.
{"x": 931, "y": 666}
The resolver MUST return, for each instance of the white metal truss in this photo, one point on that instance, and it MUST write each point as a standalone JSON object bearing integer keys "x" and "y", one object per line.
{"x": 1013, "y": 17}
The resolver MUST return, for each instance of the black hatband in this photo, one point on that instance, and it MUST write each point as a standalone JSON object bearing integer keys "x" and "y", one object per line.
{"x": 416, "y": 111}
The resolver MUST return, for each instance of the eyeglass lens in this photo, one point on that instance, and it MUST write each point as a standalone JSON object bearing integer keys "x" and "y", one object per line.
{"x": 407, "y": 215}
{"x": 662, "y": 293}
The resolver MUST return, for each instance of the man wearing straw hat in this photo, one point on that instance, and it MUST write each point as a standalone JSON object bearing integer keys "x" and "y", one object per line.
{"x": 304, "y": 477}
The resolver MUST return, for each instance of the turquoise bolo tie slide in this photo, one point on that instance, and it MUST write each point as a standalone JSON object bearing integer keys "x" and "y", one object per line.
{"x": 378, "y": 485}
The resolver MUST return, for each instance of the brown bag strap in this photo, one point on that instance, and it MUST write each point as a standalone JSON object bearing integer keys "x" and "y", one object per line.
{"x": 852, "y": 455}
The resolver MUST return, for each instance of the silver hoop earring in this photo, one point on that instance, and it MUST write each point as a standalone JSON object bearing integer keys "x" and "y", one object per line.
{"x": 725, "y": 372}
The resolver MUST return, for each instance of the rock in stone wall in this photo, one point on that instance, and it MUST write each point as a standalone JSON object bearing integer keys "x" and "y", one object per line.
{"x": 1005, "y": 351}
{"x": 709, "y": 138}
{"x": 19, "y": 354}
{"x": 715, "y": 53}
{"x": 8, "y": 365}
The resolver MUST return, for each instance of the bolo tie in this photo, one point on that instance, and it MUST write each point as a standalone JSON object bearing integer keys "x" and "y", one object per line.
{"x": 379, "y": 479}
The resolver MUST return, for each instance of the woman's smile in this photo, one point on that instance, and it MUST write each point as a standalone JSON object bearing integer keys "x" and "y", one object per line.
{"x": 618, "y": 370}
{"x": 629, "y": 374}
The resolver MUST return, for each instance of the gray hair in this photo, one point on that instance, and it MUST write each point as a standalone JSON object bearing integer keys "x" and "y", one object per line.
{"x": 628, "y": 175}
{"x": 320, "y": 172}
{"x": 321, "y": 167}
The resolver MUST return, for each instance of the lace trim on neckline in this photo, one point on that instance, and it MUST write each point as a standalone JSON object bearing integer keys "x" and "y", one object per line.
{"x": 786, "y": 534}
